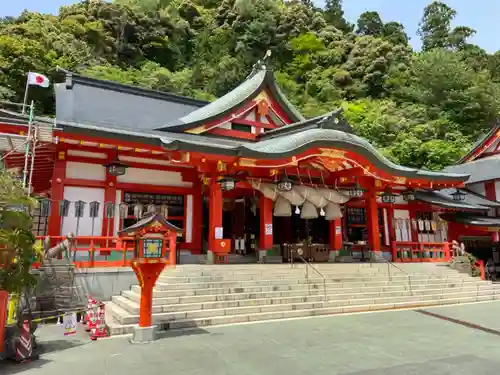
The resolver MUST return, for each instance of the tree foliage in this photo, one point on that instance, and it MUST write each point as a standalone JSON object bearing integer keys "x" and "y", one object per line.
{"x": 421, "y": 108}
{"x": 17, "y": 250}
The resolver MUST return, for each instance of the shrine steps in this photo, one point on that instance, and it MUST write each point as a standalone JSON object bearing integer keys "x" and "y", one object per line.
{"x": 196, "y": 296}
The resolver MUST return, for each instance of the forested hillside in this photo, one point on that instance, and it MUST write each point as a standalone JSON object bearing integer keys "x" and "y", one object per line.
{"x": 422, "y": 109}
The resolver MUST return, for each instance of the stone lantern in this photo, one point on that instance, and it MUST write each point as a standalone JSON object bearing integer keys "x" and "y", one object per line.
{"x": 154, "y": 237}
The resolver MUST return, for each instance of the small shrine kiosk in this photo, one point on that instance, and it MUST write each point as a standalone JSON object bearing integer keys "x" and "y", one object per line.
{"x": 246, "y": 173}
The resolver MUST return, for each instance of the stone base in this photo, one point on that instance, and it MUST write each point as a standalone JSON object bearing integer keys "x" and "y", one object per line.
{"x": 210, "y": 257}
{"x": 144, "y": 335}
{"x": 262, "y": 254}
{"x": 332, "y": 257}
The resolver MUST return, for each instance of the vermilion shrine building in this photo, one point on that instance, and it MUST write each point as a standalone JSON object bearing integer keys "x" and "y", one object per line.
{"x": 245, "y": 172}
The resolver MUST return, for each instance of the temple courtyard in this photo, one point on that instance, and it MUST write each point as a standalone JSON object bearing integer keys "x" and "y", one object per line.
{"x": 455, "y": 340}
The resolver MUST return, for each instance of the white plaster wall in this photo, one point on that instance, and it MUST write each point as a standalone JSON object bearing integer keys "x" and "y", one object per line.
{"x": 87, "y": 195}
{"x": 402, "y": 234}
{"x": 477, "y": 188}
{"x": 87, "y": 154}
{"x": 189, "y": 218}
{"x": 85, "y": 171}
{"x": 153, "y": 177}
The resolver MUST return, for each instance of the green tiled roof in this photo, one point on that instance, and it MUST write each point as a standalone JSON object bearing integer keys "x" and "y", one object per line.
{"x": 259, "y": 79}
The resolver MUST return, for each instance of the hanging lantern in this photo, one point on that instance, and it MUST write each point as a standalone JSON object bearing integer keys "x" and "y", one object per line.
{"x": 123, "y": 207}
{"x": 116, "y": 167}
{"x": 79, "y": 208}
{"x": 138, "y": 210}
{"x": 297, "y": 210}
{"x": 458, "y": 196}
{"x": 285, "y": 184}
{"x": 164, "y": 210}
{"x": 151, "y": 208}
{"x": 409, "y": 195}
{"x": 109, "y": 209}
{"x": 64, "y": 208}
{"x": 45, "y": 206}
{"x": 94, "y": 208}
{"x": 227, "y": 183}
{"x": 388, "y": 196}
{"x": 356, "y": 191}
{"x": 322, "y": 212}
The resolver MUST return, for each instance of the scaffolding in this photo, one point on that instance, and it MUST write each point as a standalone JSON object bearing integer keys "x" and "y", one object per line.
{"x": 20, "y": 151}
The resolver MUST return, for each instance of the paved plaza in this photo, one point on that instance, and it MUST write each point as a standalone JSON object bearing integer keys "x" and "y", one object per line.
{"x": 451, "y": 340}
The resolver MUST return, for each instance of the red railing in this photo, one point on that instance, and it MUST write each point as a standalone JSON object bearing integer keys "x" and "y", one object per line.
{"x": 420, "y": 251}
{"x": 101, "y": 251}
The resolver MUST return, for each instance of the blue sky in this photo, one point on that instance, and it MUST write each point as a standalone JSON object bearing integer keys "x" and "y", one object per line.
{"x": 481, "y": 15}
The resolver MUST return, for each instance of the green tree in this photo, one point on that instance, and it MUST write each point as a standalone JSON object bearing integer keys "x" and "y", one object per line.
{"x": 334, "y": 15}
{"x": 435, "y": 28}
{"x": 17, "y": 243}
{"x": 370, "y": 23}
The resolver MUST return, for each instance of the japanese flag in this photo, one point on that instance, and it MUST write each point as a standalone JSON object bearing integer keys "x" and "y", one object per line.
{"x": 38, "y": 79}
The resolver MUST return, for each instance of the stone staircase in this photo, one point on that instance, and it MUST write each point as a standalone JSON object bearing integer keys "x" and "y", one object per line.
{"x": 204, "y": 295}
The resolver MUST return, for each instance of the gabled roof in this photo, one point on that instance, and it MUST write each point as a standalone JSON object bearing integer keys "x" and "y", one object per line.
{"x": 332, "y": 120}
{"x": 88, "y": 100}
{"x": 472, "y": 220}
{"x": 147, "y": 220}
{"x": 444, "y": 198}
{"x": 484, "y": 169}
{"x": 259, "y": 79}
{"x": 479, "y": 146}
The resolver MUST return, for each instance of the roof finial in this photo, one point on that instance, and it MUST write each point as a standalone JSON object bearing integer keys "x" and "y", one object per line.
{"x": 260, "y": 64}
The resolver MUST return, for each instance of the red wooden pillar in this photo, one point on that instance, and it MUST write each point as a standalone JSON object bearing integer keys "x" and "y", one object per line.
{"x": 491, "y": 193}
{"x": 215, "y": 218}
{"x": 335, "y": 238}
{"x": 372, "y": 218}
{"x": 109, "y": 196}
{"x": 197, "y": 231}
{"x": 266, "y": 226}
{"x": 58, "y": 177}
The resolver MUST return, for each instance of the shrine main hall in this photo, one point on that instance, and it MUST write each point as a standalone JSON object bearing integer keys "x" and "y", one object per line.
{"x": 245, "y": 176}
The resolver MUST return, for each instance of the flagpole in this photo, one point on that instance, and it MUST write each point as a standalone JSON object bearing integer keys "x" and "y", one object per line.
{"x": 26, "y": 93}
{"x": 28, "y": 144}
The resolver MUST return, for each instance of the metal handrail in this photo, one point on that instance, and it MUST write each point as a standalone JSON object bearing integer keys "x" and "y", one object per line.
{"x": 315, "y": 270}
{"x": 389, "y": 264}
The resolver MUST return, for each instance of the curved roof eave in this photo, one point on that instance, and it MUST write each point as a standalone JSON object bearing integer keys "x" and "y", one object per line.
{"x": 292, "y": 144}
{"x": 229, "y": 102}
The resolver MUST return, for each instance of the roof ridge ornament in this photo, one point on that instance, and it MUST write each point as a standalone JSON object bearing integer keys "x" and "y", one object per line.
{"x": 332, "y": 116}
{"x": 260, "y": 64}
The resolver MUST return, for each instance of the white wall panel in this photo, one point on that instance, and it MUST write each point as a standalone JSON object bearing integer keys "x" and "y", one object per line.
{"x": 87, "y": 195}
{"x": 153, "y": 177}
{"x": 85, "y": 171}
{"x": 402, "y": 233}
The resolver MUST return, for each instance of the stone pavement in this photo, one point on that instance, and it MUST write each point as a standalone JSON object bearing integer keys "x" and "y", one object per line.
{"x": 389, "y": 343}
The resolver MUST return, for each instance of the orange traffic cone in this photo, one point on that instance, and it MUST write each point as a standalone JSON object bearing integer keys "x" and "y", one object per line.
{"x": 99, "y": 330}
